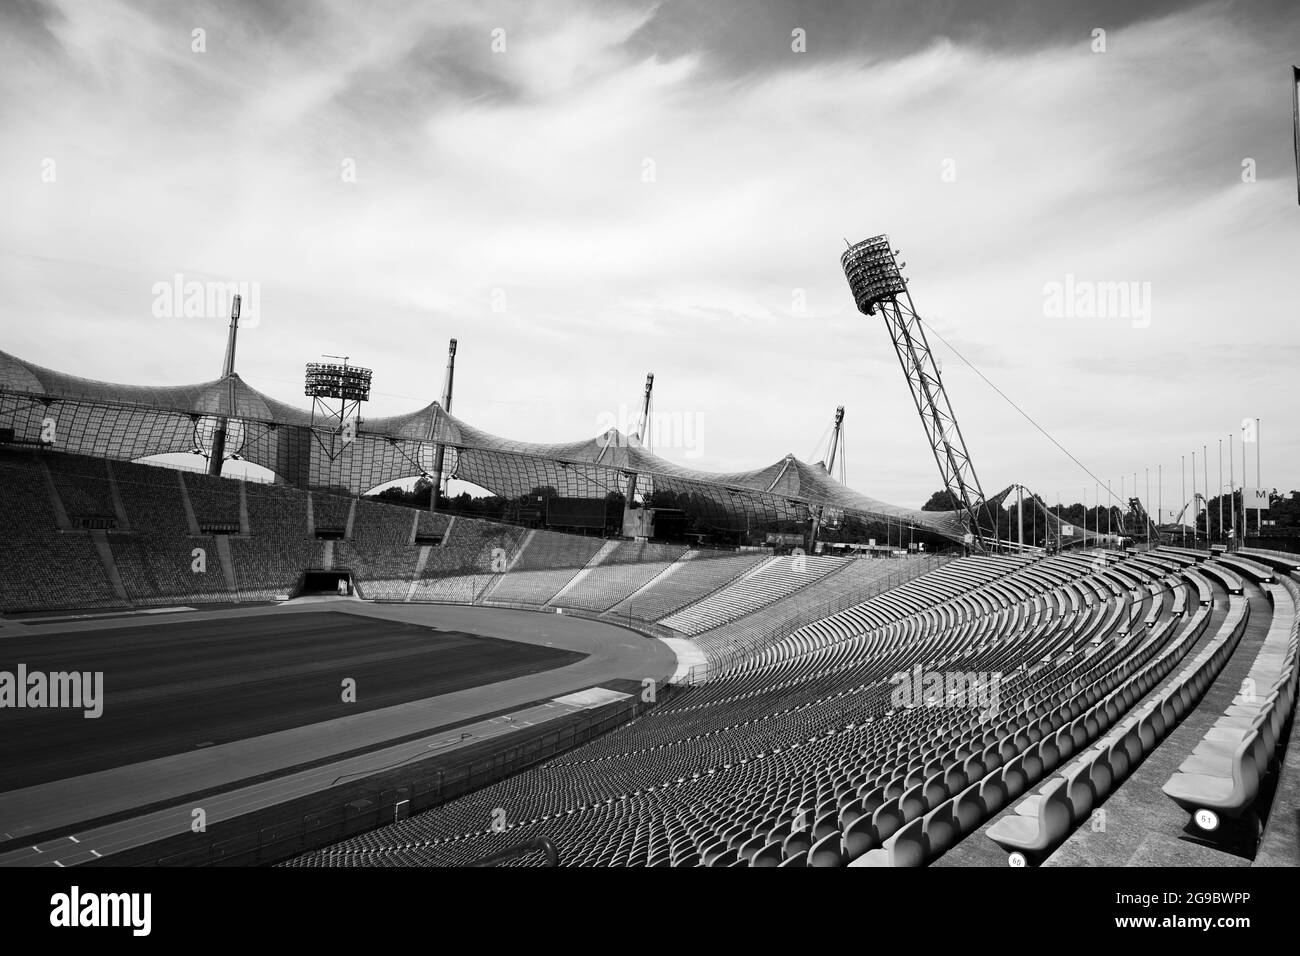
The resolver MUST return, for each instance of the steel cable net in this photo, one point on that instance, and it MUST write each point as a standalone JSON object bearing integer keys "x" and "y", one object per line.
{"x": 128, "y": 422}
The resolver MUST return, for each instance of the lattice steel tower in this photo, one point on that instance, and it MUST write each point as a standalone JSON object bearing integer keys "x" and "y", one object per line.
{"x": 876, "y": 282}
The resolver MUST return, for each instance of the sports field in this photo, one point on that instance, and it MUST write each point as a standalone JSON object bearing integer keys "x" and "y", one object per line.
{"x": 244, "y": 702}
{"x": 175, "y": 687}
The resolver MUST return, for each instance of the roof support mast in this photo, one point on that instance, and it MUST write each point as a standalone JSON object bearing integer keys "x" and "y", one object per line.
{"x": 830, "y": 470}
{"x": 435, "y": 493}
{"x": 217, "y": 456}
{"x": 876, "y": 281}
{"x": 630, "y": 525}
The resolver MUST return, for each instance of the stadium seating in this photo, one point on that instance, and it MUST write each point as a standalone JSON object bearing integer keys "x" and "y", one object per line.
{"x": 857, "y": 711}
{"x": 380, "y": 554}
{"x": 545, "y": 564}
{"x": 157, "y": 560}
{"x": 802, "y": 755}
{"x": 82, "y": 485}
{"x": 765, "y": 585}
{"x": 628, "y": 568}
{"x": 329, "y": 512}
{"x": 851, "y": 583}
{"x": 215, "y": 501}
{"x": 1224, "y": 772}
{"x": 41, "y": 566}
{"x": 672, "y": 590}
{"x": 472, "y": 554}
{"x": 270, "y": 561}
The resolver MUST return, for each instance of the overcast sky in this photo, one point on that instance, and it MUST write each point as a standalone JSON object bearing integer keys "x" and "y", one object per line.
{"x": 582, "y": 192}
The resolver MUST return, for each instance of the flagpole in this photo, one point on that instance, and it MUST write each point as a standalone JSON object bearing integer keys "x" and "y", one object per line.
{"x": 1220, "y": 488}
{"x": 1259, "y": 482}
{"x": 1205, "y": 474}
{"x": 1295, "y": 121}
{"x": 1232, "y": 488}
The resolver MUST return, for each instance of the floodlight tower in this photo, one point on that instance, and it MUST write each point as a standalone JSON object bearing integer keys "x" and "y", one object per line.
{"x": 876, "y": 282}
{"x": 350, "y": 386}
{"x": 436, "y": 492}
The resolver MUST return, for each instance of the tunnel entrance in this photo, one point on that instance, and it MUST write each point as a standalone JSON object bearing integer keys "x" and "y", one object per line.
{"x": 328, "y": 582}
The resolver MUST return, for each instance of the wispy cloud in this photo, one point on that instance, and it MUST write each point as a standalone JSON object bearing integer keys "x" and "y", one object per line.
{"x": 613, "y": 193}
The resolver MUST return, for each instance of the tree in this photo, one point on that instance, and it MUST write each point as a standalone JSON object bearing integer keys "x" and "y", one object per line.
{"x": 942, "y": 500}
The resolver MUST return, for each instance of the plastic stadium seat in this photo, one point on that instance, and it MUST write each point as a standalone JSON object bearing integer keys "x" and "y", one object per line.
{"x": 1230, "y": 794}
{"x": 769, "y": 855}
{"x": 1015, "y": 779}
{"x": 968, "y": 809}
{"x": 1035, "y": 832}
{"x": 1079, "y": 789}
{"x": 860, "y": 836}
{"x": 827, "y": 851}
{"x": 886, "y": 820}
{"x": 828, "y": 822}
{"x": 1131, "y": 741}
{"x": 851, "y": 811}
{"x": 1229, "y": 731}
{"x": 1116, "y": 755}
{"x": 912, "y": 804}
{"x": 1032, "y": 764}
{"x": 939, "y": 827}
{"x": 797, "y": 842}
{"x": 992, "y": 794}
{"x": 907, "y": 847}
{"x": 1216, "y": 762}
{"x": 751, "y": 846}
{"x": 973, "y": 769}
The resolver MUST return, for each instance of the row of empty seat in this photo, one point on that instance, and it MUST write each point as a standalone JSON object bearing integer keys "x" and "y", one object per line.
{"x": 802, "y": 756}
{"x": 766, "y": 584}
{"x": 1224, "y": 771}
{"x": 1044, "y": 819}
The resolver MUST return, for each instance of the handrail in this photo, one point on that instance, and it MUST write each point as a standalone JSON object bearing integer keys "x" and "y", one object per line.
{"x": 522, "y": 849}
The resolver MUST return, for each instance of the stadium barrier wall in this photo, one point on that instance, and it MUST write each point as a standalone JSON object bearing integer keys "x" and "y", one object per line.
{"x": 1277, "y": 546}
{"x": 422, "y": 790}
{"x": 644, "y": 628}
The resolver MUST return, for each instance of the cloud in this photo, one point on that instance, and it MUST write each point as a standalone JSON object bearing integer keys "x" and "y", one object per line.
{"x": 641, "y": 195}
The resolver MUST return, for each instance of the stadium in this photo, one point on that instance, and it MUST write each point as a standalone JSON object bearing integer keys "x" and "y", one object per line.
{"x": 546, "y": 687}
{"x": 242, "y": 631}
